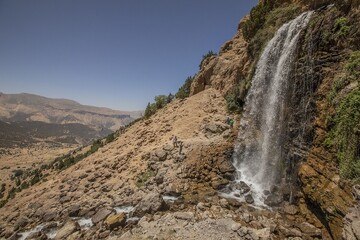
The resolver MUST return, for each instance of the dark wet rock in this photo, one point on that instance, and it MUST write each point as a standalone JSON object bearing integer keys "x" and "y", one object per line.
{"x": 101, "y": 215}
{"x": 74, "y": 211}
{"x": 274, "y": 200}
{"x": 249, "y": 199}
{"x": 241, "y": 186}
{"x": 151, "y": 203}
{"x": 229, "y": 176}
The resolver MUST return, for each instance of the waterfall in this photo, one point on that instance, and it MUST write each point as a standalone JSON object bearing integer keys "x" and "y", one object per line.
{"x": 259, "y": 149}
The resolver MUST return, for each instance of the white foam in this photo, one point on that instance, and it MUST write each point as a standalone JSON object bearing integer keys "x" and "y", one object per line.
{"x": 85, "y": 223}
{"x": 169, "y": 198}
{"x": 124, "y": 209}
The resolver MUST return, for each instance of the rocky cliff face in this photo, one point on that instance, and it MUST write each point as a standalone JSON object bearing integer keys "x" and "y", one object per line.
{"x": 325, "y": 48}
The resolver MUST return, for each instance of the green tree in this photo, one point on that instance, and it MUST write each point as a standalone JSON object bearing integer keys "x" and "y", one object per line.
{"x": 150, "y": 110}
{"x": 169, "y": 98}
{"x": 160, "y": 101}
{"x": 184, "y": 90}
{"x": 205, "y": 56}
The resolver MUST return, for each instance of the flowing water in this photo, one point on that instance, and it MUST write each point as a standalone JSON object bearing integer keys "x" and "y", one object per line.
{"x": 259, "y": 150}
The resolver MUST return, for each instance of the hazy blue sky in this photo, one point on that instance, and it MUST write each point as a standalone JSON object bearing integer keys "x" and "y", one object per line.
{"x": 116, "y": 54}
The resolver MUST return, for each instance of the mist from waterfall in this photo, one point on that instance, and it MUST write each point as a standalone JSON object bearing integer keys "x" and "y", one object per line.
{"x": 259, "y": 149}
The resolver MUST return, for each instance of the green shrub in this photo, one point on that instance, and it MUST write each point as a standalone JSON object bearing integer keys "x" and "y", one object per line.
{"x": 233, "y": 102}
{"x": 143, "y": 177}
{"x": 347, "y": 135}
{"x": 353, "y": 66}
{"x": 256, "y": 20}
{"x": 205, "y": 56}
{"x": 150, "y": 110}
{"x": 271, "y": 21}
{"x": 184, "y": 90}
{"x": 110, "y": 138}
{"x": 341, "y": 27}
{"x": 160, "y": 101}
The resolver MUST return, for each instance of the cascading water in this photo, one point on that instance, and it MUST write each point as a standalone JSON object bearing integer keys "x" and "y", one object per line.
{"x": 259, "y": 149}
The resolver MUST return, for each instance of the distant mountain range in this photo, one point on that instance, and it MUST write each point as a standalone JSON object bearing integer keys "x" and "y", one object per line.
{"x": 27, "y": 118}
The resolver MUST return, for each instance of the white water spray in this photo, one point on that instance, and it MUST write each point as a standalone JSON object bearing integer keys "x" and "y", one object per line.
{"x": 259, "y": 149}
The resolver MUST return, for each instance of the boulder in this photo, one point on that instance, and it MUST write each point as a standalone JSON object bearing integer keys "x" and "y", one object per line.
{"x": 50, "y": 215}
{"x": 151, "y": 203}
{"x": 74, "y": 211}
{"x": 241, "y": 186}
{"x": 219, "y": 183}
{"x": 249, "y": 199}
{"x": 69, "y": 228}
{"x": 161, "y": 154}
{"x": 226, "y": 167}
{"x": 20, "y": 223}
{"x": 291, "y": 209}
{"x": 274, "y": 200}
{"x": 101, "y": 215}
{"x": 309, "y": 229}
{"x": 114, "y": 221}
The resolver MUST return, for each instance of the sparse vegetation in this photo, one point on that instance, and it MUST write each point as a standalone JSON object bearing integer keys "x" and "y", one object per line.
{"x": 341, "y": 28}
{"x": 233, "y": 102}
{"x": 205, "y": 56}
{"x": 258, "y": 30}
{"x": 344, "y": 133}
{"x": 235, "y": 98}
{"x": 144, "y": 177}
{"x": 184, "y": 90}
{"x": 160, "y": 102}
{"x": 256, "y": 20}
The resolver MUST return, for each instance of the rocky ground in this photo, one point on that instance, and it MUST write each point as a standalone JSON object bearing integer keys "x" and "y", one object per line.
{"x": 141, "y": 186}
